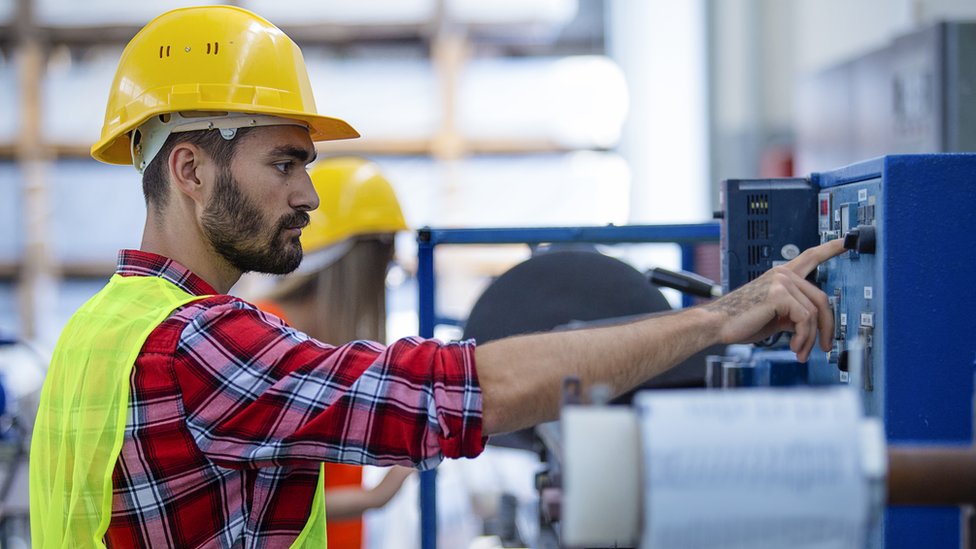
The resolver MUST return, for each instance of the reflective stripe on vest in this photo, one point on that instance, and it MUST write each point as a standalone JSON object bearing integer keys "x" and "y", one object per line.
{"x": 81, "y": 418}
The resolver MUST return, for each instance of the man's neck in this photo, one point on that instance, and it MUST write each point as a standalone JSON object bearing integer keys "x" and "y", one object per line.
{"x": 190, "y": 250}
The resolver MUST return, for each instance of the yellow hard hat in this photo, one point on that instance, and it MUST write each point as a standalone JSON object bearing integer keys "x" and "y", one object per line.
{"x": 215, "y": 59}
{"x": 354, "y": 199}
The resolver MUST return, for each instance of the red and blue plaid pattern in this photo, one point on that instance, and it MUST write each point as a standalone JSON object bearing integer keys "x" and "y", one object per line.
{"x": 231, "y": 411}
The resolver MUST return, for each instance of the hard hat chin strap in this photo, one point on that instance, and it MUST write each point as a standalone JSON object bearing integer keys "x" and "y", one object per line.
{"x": 148, "y": 139}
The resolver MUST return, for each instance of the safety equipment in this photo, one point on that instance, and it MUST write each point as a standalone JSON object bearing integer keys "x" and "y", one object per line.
{"x": 149, "y": 138}
{"x": 354, "y": 199}
{"x": 214, "y": 59}
{"x": 81, "y": 419}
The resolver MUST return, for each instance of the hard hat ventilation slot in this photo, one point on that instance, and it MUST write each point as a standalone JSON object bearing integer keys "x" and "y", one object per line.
{"x": 163, "y": 49}
{"x": 216, "y": 45}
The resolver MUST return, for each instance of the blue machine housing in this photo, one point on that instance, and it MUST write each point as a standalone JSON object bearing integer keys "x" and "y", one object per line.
{"x": 921, "y": 292}
{"x": 905, "y": 331}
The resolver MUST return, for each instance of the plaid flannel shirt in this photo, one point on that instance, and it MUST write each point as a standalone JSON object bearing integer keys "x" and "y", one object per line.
{"x": 231, "y": 411}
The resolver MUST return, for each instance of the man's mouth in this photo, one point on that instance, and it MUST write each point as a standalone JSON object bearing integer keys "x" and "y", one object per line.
{"x": 296, "y": 224}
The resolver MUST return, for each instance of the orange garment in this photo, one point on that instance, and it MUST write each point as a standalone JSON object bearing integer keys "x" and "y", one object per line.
{"x": 348, "y": 533}
{"x": 342, "y": 534}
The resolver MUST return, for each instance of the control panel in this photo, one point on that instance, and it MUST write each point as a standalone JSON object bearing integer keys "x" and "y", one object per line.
{"x": 903, "y": 300}
{"x": 850, "y": 282}
{"x": 765, "y": 222}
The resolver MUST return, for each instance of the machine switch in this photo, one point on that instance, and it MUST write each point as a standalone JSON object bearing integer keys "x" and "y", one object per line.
{"x": 861, "y": 239}
{"x": 842, "y": 361}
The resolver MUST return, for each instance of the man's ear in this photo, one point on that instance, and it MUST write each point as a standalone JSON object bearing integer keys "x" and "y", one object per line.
{"x": 187, "y": 168}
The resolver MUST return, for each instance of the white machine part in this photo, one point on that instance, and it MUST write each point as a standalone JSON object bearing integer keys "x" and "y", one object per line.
{"x": 757, "y": 468}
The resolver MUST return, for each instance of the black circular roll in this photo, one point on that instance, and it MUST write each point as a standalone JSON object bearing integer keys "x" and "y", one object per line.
{"x": 558, "y": 288}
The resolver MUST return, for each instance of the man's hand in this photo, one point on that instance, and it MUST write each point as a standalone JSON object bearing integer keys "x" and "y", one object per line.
{"x": 782, "y": 300}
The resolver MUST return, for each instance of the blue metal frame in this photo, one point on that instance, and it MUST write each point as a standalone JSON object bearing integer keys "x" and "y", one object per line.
{"x": 427, "y": 239}
{"x": 926, "y": 339}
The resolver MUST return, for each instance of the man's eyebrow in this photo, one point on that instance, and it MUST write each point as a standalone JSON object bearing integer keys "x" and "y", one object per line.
{"x": 298, "y": 153}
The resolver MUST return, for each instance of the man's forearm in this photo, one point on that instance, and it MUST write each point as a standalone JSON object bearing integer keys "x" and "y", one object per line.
{"x": 521, "y": 376}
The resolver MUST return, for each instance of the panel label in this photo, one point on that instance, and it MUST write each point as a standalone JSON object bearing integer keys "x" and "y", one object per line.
{"x": 867, "y": 319}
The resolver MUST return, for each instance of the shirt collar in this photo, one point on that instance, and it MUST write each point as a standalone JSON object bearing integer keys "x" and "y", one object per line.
{"x": 140, "y": 263}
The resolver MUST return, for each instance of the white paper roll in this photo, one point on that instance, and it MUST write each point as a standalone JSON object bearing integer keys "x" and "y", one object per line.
{"x": 756, "y": 469}
{"x": 601, "y": 492}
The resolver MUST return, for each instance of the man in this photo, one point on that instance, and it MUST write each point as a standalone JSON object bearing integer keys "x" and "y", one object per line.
{"x": 176, "y": 415}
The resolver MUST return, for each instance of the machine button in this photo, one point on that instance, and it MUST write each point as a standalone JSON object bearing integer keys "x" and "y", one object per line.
{"x": 862, "y": 239}
{"x": 842, "y": 363}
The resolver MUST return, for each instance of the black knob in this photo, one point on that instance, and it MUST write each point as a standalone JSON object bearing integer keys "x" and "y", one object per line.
{"x": 862, "y": 239}
{"x": 842, "y": 362}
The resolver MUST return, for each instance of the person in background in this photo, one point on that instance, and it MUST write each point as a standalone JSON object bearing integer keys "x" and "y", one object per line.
{"x": 338, "y": 294}
{"x": 176, "y": 415}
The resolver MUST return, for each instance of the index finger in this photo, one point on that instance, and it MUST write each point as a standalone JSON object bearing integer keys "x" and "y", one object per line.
{"x": 806, "y": 262}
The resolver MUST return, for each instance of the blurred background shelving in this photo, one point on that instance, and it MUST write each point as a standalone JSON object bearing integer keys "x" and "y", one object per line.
{"x": 455, "y": 100}
{"x": 558, "y": 112}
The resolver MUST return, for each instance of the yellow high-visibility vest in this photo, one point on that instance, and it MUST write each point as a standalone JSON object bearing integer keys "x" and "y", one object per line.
{"x": 81, "y": 418}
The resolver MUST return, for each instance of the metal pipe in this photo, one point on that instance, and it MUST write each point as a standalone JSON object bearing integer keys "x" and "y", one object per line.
{"x": 931, "y": 475}
{"x": 427, "y": 291}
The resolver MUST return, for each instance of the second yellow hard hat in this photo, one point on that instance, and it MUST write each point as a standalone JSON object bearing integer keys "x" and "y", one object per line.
{"x": 355, "y": 199}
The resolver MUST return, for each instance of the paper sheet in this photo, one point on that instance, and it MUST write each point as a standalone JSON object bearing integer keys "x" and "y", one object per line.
{"x": 752, "y": 468}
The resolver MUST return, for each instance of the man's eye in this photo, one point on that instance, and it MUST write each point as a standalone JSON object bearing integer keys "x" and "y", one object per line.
{"x": 283, "y": 167}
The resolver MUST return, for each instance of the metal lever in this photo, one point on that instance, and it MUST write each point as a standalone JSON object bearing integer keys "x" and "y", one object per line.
{"x": 685, "y": 282}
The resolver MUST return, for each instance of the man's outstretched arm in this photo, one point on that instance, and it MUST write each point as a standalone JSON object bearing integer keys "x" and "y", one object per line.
{"x": 521, "y": 376}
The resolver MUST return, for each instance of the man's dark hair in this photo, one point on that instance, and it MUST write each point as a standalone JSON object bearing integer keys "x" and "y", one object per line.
{"x": 155, "y": 176}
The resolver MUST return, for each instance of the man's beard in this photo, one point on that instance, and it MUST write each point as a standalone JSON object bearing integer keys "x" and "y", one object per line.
{"x": 238, "y": 231}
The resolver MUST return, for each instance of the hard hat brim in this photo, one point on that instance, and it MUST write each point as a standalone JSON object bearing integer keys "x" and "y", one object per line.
{"x": 321, "y": 128}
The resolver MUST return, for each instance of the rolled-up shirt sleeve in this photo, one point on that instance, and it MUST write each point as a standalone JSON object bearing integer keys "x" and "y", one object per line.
{"x": 258, "y": 393}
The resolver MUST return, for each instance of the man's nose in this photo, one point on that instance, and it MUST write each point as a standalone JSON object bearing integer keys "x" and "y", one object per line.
{"x": 305, "y": 198}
